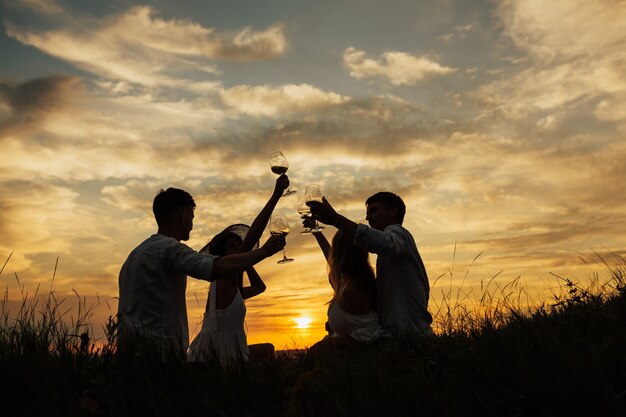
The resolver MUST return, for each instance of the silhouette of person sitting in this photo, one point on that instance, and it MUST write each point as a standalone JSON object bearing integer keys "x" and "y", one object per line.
{"x": 402, "y": 282}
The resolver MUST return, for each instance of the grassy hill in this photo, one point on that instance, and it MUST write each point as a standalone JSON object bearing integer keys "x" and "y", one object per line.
{"x": 566, "y": 358}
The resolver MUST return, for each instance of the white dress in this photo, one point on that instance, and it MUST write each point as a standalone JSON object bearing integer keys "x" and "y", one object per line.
{"x": 222, "y": 334}
{"x": 363, "y": 328}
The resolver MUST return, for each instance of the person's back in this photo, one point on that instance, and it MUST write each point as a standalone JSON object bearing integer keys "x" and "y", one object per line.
{"x": 402, "y": 282}
{"x": 357, "y": 297}
{"x": 352, "y": 311}
{"x": 152, "y": 292}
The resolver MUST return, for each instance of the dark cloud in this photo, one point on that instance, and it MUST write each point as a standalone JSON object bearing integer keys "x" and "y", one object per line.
{"x": 30, "y": 102}
{"x": 367, "y": 127}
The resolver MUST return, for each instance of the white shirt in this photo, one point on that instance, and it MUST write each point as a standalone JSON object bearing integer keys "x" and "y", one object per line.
{"x": 402, "y": 282}
{"x": 152, "y": 286}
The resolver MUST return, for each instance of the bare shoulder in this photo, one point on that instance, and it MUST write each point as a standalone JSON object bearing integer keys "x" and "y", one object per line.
{"x": 358, "y": 299}
{"x": 226, "y": 290}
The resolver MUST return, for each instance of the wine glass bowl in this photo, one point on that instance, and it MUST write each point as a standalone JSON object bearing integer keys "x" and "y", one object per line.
{"x": 280, "y": 227}
{"x": 312, "y": 192}
{"x": 279, "y": 166}
{"x": 304, "y": 211}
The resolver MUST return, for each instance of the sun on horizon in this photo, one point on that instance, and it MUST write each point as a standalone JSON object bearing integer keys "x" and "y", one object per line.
{"x": 303, "y": 323}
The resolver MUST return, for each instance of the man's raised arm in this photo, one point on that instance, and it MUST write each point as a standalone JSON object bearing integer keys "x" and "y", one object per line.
{"x": 325, "y": 213}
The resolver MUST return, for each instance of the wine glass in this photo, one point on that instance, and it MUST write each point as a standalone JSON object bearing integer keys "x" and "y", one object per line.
{"x": 279, "y": 165}
{"x": 312, "y": 192}
{"x": 280, "y": 227}
{"x": 303, "y": 211}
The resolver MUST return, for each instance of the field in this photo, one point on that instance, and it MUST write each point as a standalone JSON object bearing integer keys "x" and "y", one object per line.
{"x": 563, "y": 357}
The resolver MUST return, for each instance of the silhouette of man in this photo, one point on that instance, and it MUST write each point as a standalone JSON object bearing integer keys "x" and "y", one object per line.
{"x": 153, "y": 280}
{"x": 401, "y": 279}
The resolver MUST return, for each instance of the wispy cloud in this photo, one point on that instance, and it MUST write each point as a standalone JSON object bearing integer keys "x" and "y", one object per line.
{"x": 398, "y": 68}
{"x": 41, "y": 6}
{"x": 577, "y": 52}
{"x": 286, "y": 99}
{"x": 140, "y": 47}
{"x": 460, "y": 33}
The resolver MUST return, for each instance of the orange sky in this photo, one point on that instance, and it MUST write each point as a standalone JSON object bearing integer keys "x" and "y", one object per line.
{"x": 500, "y": 123}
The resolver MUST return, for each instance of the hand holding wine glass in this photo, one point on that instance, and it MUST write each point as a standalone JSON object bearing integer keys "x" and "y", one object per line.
{"x": 313, "y": 193}
{"x": 279, "y": 166}
{"x": 274, "y": 244}
{"x": 324, "y": 212}
{"x": 282, "y": 183}
{"x": 280, "y": 227}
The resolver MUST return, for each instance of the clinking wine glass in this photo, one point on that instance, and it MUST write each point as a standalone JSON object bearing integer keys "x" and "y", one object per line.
{"x": 313, "y": 193}
{"x": 304, "y": 211}
{"x": 280, "y": 227}
{"x": 279, "y": 166}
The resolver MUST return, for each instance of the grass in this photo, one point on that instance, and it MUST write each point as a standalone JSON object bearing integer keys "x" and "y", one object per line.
{"x": 492, "y": 356}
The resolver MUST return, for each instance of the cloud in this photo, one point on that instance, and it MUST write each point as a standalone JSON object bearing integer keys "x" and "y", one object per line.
{"x": 139, "y": 47}
{"x": 133, "y": 195}
{"x": 399, "y": 68}
{"x": 460, "y": 33}
{"x": 355, "y": 127}
{"x": 183, "y": 37}
{"x": 30, "y": 102}
{"x": 130, "y": 135}
{"x": 577, "y": 52}
{"x": 495, "y": 198}
{"x": 271, "y": 101}
{"x": 613, "y": 109}
{"x": 250, "y": 45}
{"x": 53, "y": 129}
{"x": 42, "y": 6}
{"x": 567, "y": 29}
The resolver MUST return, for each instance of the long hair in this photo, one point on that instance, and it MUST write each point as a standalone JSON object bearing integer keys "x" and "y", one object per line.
{"x": 348, "y": 263}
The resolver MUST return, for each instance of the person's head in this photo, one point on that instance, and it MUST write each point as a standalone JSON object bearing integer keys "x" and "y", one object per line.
{"x": 227, "y": 244}
{"x": 348, "y": 261}
{"x": 173, "y": 210}
{"x": 383, "y": 209}
{"x": 228, "y": 241}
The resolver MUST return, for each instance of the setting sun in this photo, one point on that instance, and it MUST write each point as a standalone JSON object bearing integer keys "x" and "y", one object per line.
{"x": 303, "y": 322}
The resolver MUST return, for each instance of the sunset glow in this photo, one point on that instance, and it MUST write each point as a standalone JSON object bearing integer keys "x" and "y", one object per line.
{"x": 500, "y": 123}
{"x": 303, "y": 322}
